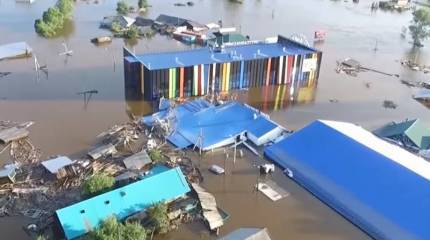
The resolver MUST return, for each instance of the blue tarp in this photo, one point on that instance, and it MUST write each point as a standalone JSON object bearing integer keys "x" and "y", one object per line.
{"x": 380, "y": 195}
{"x": 154, "y": 61}
{"x": 163, "y": 185}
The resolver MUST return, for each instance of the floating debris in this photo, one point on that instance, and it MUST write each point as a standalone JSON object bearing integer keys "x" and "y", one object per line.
{"x": 389, "y": 104}
{"x": 15, "y": 50}
{"x": 217, "y": 169}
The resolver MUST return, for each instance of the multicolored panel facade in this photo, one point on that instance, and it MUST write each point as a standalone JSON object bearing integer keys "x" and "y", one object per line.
{"x": 203, "y": 71}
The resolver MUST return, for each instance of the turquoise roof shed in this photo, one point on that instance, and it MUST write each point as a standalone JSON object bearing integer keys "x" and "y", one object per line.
{"x": 82, "y": 217}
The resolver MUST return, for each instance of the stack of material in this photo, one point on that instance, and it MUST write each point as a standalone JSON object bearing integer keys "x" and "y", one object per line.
{"x": 210, "y": 210}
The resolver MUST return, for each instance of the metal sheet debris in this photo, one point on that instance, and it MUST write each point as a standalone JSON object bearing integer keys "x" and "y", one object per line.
{"x": 104, "y": 150}
{"x": 272, "y": 190}
{"x": 209, "y": 206}
{"x": 12, "y": 134}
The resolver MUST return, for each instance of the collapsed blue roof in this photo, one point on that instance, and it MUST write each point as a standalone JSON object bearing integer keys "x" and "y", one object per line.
{"x": 200, "y": 123}
{"x": 164, "y": 185}
{"x": 155, "y": 61}
{"x": 378, "y": 186}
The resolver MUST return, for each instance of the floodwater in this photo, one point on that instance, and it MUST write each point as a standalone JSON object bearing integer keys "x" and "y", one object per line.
{"x": 65, "y": 125}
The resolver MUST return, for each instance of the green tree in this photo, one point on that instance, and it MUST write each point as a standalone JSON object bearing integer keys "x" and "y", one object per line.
{"x": 132, "y": 33}
{"x": 96, "y": 184}
{"x": 122, "y": 8}
{"x": 111, "y": 229}
{"x": 65, "y": 7}
{"x": 116, "y": 27}
{"x": 142, "y": 3}
{"x": 158, "y": 218}
{"x": 155, "y": 155}
{"x": 420, "y": 26}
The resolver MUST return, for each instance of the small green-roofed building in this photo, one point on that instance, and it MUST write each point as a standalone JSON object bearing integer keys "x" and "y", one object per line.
{"x": 411, "y": 133}
{"x": 82, "y": 217}
{"x": 230, "y": 37}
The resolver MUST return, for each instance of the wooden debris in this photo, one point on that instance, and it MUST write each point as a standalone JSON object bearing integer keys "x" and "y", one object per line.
{"x": 12, "y": 134}
{"x": 104, "y": 150}
{"x": 30, "y": 190}
{"x": 209, "y": 207}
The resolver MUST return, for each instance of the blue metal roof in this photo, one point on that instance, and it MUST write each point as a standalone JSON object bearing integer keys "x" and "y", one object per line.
{"x": 217, "y": 124}
{"x": 155, "y": 61}
{"x": 82, "y": 217}
{"x": 354, "y": 174}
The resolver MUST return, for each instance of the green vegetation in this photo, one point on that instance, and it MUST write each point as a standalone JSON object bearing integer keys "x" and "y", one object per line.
{"x": 111, "y": 229}
{"x": 155, "y": 155}
{"x": 41, "y": 237}
{"x": 420, "y": 27}
{"x": 96, "y": 184}
{"x": 53, "y": 19}
{"x": 132, "y": 33}
{"x": 122, "y": 8}
{"x": 142, "y": 4}
{"x": 158, "y": 218}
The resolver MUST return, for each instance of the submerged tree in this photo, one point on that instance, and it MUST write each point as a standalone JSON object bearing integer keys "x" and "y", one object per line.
{"x": 54, "y": 18}
{"x": 158, "y": 218}
{"x": 142, "y": 3}
{"x": 96, "y": 184}
{"x": 420, "y": 27}
{"x": 122, "y": 8}
{"x": 112, "y": 229}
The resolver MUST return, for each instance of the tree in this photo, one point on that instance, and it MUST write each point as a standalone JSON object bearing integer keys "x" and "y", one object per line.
{"x": 54, "y": 18}
{"x": 142, "y": 4}
{"x": 122, "y": 8}
{"x": 155, "y": 155}
{"x": 420, "y": 27}
{"x": 158, "y": 218}
{"x": 111, "y": 229}
{"x": 65, "y": 7}
{"x": 96, "y": 184}
{"x": 132, "y": 33}
{"x": 41, "y": 237}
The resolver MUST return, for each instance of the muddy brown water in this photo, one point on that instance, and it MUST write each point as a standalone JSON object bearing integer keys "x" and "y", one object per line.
{"x": 64, "y": 125}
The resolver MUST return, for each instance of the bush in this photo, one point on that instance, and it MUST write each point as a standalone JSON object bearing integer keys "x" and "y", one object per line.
{"x": 122, "y": 8}
{"x": 132, "y": 33}
{"x": 96, "y": 184}
{"x": 158, "y": 218}
{"x": 116, "y": 27}
{"x": 142, "y": 3}
{"x": 111, "y": 229}
{"x": 155, "y": 155}
{"x": 53, "y": 19}
{"x": 41, "y": 237}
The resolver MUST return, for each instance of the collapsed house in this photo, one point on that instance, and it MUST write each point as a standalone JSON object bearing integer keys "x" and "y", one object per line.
{"x": 161, "y": 186}
{"x": 411, "y": 134}
{"x": 378, "y": 186}
{"x": 57, "y": 166}
{"x": 15, "y": 50}
{"x": 206, "y": 126}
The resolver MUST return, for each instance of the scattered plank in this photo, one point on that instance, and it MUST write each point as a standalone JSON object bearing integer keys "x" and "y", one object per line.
{"x": 101, "y": 151}
{"x": 209, "y": 206}
{"x": 12, "y": 134}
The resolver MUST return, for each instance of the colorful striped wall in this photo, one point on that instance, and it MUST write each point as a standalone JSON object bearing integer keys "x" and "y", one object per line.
{"x": 198, "y": 80}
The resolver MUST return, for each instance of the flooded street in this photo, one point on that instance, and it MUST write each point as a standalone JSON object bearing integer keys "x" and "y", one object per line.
{"x": 67, "y": 126}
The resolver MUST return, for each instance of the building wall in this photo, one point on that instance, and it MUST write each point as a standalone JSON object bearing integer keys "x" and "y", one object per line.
{"x": 199, "y": 80}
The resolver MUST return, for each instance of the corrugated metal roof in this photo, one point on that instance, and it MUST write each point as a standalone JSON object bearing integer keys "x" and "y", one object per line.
{"x": 248, "y": 234}
{"x": 216, "y": 126}
{"x": 53, "y": 165}
{"x": 413, "y": 129}
{"x": 154, "y": 61}
{"x": 378, "y": 186}
{"x": 82, "y": 217}
{"x": 12, "y": 50}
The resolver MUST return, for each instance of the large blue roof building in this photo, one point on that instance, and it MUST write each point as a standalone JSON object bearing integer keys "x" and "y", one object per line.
{"x": 200, "y": 71}
{"x": 380, "y": 187}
